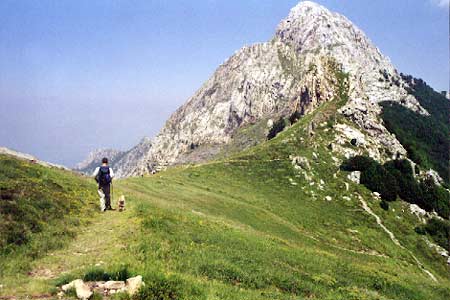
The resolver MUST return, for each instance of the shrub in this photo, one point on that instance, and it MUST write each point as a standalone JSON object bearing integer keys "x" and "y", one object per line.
{"x": 435, "y": 198}
{"x": 396, "y": 178}
{"x": 358, "y": 163}
{"x": 277, "y": 127}
{"x": 384, "y": 205}
{"x": 121, "y": 274}
{"x": 160, "y": 287}
{"x": 420, "y": 230}
{"x": 377, "y": 179}
{"x": 96, "y": 274}
{"x": 439, "y": 231}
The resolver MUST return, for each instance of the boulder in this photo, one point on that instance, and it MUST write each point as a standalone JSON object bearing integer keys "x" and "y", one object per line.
{"x": 134, "y": 284}
{"x": 434, "y": 176}
{"x": 418, "y": 212}
{"x": 301, "y": 162}
{"x": 68, "y": 286}
{"x": 82, "y": 290}
{"x": 355, "y": 176}
{"x": 114, "y": 285}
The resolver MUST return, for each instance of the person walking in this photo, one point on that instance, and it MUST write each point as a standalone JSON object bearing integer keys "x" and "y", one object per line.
{"x": 104, "y": 175}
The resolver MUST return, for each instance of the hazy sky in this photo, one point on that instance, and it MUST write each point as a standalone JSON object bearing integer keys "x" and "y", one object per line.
{"x": 80, "y": 75}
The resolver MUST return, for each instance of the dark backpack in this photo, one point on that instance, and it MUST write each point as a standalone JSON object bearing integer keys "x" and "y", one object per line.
{"x": 103, "y": 177}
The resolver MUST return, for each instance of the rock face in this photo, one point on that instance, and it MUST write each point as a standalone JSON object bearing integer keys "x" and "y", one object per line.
{"x": 294, "y": 71}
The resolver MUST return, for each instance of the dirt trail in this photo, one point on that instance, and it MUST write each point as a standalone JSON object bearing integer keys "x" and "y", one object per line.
{"x": 100, "y": 243}
{"x": 95, "y": 244}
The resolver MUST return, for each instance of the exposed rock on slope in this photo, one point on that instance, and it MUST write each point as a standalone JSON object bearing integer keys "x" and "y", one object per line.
{"x": 292, "y": 72}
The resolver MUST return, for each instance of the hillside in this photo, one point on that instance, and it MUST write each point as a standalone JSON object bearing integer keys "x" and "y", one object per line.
{"x": 277, "y": 221}
{"x": 40, "y": 210}
{"x": 424, "y": 137}
{"x": 302, "y": 169}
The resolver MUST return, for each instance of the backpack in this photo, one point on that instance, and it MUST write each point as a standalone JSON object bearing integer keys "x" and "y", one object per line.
{"x": 103, "y": 177}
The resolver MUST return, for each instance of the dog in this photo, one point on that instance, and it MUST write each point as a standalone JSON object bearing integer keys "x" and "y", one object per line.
{"x": 121, "y": 203}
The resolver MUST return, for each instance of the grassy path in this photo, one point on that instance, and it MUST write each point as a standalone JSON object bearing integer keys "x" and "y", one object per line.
{"x": 100, "y": 243}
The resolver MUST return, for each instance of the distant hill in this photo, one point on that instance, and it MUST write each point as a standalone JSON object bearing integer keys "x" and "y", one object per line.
{"x": 94, "y": 159}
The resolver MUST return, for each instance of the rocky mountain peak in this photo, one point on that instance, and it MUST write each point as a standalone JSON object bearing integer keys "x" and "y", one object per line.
{"x": 289, "y": 73}
{"x": 305, "y": 8}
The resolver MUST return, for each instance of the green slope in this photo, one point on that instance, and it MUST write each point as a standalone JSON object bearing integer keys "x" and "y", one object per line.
{"x": 250, "y": 226}
{"x": 40, "y": 210}
{"x": 424, "y": 137}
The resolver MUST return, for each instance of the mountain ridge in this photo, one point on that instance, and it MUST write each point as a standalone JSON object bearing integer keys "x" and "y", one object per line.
{"x": 277, "y": 78}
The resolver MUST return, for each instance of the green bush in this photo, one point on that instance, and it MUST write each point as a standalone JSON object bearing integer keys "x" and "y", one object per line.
{"x": 358, "y": 163}
{"x": 396, "y": 177}
{"x": 98, "y": 274}
{"x": 161, "y": 287}
{"x": 435, "y": 197}
{"x": 277, "y": 127}
{"x": 440, "y": 232}
{"x": 376, "y": 178}
{"x": 384, "y": 205}
{"x": 420, "y": 230}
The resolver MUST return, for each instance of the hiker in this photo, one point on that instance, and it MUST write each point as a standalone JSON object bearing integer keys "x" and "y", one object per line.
{"x": 104, "y": 175}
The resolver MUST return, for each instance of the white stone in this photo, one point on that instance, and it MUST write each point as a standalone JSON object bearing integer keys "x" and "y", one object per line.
{"x": 82, "y": 290}
{"x": 328, "y": 198}
{"x": 116, "y": 285}
{"x": 417, "y": 211}
{"x": 355, "y": 176}
{"x": 134, "y": 284}
{"x": 301, "y": 162}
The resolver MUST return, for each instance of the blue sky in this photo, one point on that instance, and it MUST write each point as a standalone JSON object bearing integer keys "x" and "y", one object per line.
{"x": 80, "y": 75}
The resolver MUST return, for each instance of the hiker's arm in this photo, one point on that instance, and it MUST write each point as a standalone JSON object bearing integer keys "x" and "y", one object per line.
{"x": 111, "y": 172}
{"x": 95, "y": 172}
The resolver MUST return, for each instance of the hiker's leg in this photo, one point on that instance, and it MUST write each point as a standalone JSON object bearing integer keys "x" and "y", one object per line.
{"x": 102, "y": 200}
{"x": 107, "y": 190}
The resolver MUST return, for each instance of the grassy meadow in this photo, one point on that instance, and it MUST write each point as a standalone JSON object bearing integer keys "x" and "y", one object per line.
{"x": 250, "y": 226}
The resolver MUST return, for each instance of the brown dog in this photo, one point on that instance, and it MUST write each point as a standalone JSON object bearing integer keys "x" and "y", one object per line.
{"x": 121, "y": 203}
